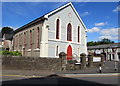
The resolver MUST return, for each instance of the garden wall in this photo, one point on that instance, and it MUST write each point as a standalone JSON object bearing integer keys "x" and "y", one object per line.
{"x": 30, "y": 63}
{"x": 53, "y": 64}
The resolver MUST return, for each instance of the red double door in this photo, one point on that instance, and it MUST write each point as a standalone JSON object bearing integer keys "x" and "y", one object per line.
{"x": 69, "y": 53}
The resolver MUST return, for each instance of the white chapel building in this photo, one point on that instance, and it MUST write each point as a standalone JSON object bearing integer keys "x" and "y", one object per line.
{"x": 61, "y": 30}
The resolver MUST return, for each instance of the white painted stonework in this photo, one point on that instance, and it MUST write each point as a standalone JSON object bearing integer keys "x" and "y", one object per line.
{"x": 50, "y": 41}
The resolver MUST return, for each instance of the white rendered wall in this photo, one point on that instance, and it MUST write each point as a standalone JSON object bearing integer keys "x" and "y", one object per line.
{"x": 62, "y": 42}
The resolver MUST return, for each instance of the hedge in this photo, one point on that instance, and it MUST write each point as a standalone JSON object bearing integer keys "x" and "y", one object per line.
{"x": 12, "y": 53}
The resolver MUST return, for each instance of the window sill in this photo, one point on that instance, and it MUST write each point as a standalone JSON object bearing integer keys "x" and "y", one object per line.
{"x": 37, "y": 49}
{"x": 69, "y": 40}
{"x": 29, "y": 50}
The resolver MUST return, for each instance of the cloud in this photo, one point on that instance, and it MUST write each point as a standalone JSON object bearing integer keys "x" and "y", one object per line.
{"x": 111, "y": 34}
{"x": 107, "y": 32}
{"x": 84, "y": 14}
{"x": 109, "y": 37}
{"x": 101, "y": 24}
{"x": 116, "y": 9}
{"x": 94, "y": 29}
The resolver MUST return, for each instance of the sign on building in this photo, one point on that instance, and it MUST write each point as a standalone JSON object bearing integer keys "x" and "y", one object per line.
{"x": 98, "y": 52}
{"x": 96, "y": 59}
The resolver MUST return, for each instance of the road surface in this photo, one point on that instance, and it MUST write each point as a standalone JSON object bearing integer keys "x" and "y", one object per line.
{"x": 83, "y": 79}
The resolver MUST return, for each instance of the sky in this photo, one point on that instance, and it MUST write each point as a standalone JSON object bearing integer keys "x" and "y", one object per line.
{"x": 100, "y": 18}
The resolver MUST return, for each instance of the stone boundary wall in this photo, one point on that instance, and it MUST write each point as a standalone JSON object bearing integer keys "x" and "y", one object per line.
{"x": 53, "y": 64}
{"x": 31, "y": 63}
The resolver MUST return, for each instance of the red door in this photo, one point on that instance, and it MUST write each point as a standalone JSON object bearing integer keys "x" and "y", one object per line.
{"x": 69, "y": 53}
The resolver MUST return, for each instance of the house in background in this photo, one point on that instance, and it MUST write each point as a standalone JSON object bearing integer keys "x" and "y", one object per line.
{"x": 7, "y": 41}
{"x": 61, "y": 30}
{"x": 111, "y": 51}
{"x": 1, "y": 42}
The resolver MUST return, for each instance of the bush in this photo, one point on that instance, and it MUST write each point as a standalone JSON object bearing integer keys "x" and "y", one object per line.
{"x": 17, "y": 53}
{"x": 5, "y": 52}
{"x": 0, "y": 52}
{"x": 13, "y": 53}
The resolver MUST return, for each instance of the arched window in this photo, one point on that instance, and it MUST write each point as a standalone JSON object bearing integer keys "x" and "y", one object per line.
{"x": 30, "y": 39}
{"x": 24, "y": 39}
{"x": 69, "y": 32}
{"x": 78, "y": 34}
{"x": 38, "y": 32}
{"x": 57, "y": 28}
{"x": 57, "y": 51}
{"x": 16, "y": 41}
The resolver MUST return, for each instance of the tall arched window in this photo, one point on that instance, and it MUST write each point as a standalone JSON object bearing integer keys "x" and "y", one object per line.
{"x": 69, "y": 32}
{"x": 78, "y": 33}
{"x": 38, "y": 32}
{"x": 16, "y": 41}
{"x": 57, "y": 28}
{"x": 30, "y": 39}
{"x": 24, "y": 39}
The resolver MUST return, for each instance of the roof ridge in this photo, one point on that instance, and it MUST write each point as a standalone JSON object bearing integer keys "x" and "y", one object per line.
{"x": 50, "y": 13}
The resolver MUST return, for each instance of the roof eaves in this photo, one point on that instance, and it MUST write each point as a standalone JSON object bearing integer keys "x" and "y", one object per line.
{"x": 48, "y": 14}
{"x": 52, "y": 12}
{"x": 78, "y": 16}
{"x": 104, "y": 46}
{"x": 30, "y": 23}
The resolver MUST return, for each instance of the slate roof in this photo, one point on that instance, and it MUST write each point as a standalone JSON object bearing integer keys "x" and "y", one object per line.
{"x": 104, "y": 46}
{"x": 8, "y": 36}
{"x": 0, "y": 37}
{"x": 42, "y": 18}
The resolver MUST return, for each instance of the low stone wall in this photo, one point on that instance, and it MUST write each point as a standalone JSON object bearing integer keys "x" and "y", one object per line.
{"x": 31, "y": 63}
{"x": 96, "y": 64}
{"x": 54, "y": 64}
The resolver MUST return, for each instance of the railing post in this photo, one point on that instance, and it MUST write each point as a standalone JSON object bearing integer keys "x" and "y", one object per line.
{"x": 102, "y": 59}
{"x": 83, "y": 60}
{"x": 90, "y": 60}
{"x": 62, "y": 56}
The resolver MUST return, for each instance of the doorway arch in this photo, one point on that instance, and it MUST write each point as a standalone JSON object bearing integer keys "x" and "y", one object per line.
{"x": 69, "y": 53}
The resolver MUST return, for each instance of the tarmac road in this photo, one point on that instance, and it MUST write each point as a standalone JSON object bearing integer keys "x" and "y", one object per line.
{"x": 83, "y": 79}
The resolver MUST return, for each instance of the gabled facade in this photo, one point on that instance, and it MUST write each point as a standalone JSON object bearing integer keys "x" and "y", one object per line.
{"x": 61, "y": 30}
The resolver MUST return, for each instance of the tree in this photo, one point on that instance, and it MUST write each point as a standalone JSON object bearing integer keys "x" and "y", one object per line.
{"x": 103, "y": 41}
{"x": 7, "y": 30}
{"x": 106, "y": 41}
{"x": 91, "y": 43}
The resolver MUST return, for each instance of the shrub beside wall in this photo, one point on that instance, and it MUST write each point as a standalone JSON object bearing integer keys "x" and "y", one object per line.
{"x": 12, "y": 53}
